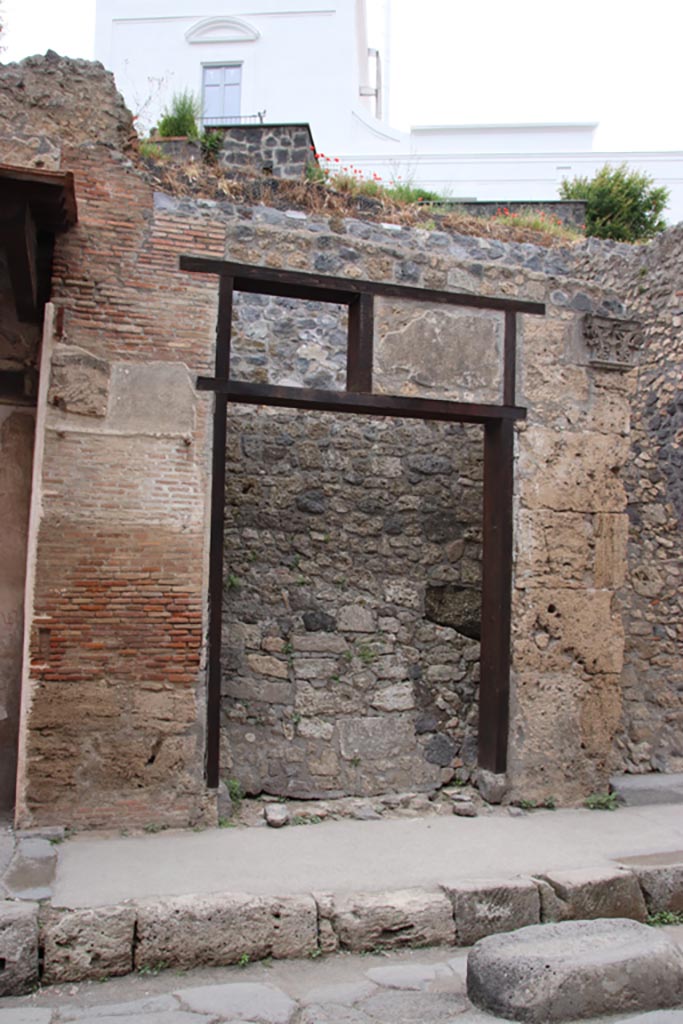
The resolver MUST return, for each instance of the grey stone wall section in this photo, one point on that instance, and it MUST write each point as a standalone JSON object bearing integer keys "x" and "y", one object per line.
{"x": 283, "y": 150}
{"x": 338, "y": 677}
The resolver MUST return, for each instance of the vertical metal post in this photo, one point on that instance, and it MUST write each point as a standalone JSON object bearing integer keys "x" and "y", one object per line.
{"x": 220, "y": 416}
{"x": 359, "y": 352}
{"x": 494, "y": 686}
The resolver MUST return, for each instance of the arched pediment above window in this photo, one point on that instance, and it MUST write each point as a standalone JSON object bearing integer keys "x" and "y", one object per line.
{"x": 222, "y": 30}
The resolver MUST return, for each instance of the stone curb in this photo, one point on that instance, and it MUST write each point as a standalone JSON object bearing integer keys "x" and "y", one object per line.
{"x": 231, "y": 928}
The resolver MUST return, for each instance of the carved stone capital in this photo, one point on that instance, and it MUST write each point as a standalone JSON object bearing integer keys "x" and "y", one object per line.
{"x": 612, "y": 343}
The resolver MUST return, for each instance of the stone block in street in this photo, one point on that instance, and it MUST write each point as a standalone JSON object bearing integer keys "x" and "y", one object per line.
{"x": 214, "y": 930}
{"x": 493, "y": 905}
{"x": 89, "y": 943}
{"x": 18, "y": 947}
{"x": 589, "y": 893}
{"x": 574, "y": 969}
{"x": 389, "y": 920}
{"x": 239, "y": 1001}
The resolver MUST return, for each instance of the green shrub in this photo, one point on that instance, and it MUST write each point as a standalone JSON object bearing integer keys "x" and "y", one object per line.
{"x": 181, "y": 118}
{"x": 620, "y": 204}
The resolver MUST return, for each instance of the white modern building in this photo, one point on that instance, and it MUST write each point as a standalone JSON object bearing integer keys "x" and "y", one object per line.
{"x": 285, "y": 61}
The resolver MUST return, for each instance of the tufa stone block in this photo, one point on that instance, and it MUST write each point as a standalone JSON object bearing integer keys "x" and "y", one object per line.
{"x": 211, "y": 931}
{"x": 91, "y": 943}
{"x": 406, "y": 917}
{"x": 589, "y": 893}
{"x": 18, "y": 947}
{"x": 493, "y": 905}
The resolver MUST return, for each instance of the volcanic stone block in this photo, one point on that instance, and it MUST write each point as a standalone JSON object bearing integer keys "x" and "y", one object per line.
{"x": 193, "y": 931}
{"x": 406, "y": 917}
{"x": 91, "y": 943}
{"x": 574, "y": 969}
{"x": 18, "y": 947}
{"x": 662, "y": 887}
{"x": 590, "y": 893}
{"x": 493, "y": 905}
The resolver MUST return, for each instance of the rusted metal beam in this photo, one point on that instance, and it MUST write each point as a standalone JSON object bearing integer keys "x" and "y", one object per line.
{"x": 363, "y": 404}
{"x": 340, "y": 289}
{"x": 359, "y": 351}
{"x": 509, "y": 358}
{"x": 494, "y": 685}
{"x": 216, "y": 542}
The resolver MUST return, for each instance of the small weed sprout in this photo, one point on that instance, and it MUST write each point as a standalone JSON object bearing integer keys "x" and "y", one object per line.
{"x": 233, "y": 582}
{"x": 244, "y": 960}
{"x": 235, "y": 792}
{"x": 152, "y": 969}
{"x": 602, "y": 802}
{"x": 366, "y": 654}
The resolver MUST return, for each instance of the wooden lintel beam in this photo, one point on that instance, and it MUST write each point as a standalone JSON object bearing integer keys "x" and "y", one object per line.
{"x": 18, "y": 237}
{"x": 354, "y": 402}
{"x": 342, "y": 289}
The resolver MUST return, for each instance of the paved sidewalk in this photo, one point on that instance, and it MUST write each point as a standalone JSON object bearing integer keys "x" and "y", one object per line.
{"x": 412, "y": 987}
{"x": 96, "y": 869}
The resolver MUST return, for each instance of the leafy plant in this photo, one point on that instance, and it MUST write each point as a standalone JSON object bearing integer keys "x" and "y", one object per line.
{"x": 232, "y": 582}
{"x": 211, "y": 143}
{"x": 181, "y": 117}
{"x": 602, "y": 802}
{"x": 150, "y": 150}
{"x": 662, "y": 917}
{"x": 243, "y": 960}
{"x": 620, "y": 204}
{"x": 235, "y": 792}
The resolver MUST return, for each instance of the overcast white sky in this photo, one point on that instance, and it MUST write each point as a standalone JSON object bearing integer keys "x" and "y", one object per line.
{"x": 453, "y": 62}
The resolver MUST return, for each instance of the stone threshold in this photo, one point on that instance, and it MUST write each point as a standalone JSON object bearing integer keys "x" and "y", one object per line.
{"x": 43, "y": 944}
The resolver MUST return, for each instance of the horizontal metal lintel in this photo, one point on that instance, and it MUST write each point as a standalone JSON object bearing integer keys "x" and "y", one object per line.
{"x": 320, "y": 287}
{"x": 348, "y": 401}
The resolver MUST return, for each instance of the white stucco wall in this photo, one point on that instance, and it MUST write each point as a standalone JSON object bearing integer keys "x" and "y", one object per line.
{"x": 306, "y": 61}
{"x": 303, "y": 62}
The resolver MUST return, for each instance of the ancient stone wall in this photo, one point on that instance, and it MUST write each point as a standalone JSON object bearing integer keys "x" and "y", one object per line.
{"x": 114, "y": 723}
{"x": 651, "y": 280}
